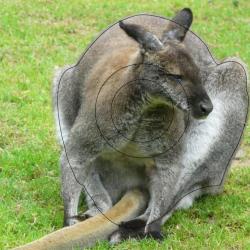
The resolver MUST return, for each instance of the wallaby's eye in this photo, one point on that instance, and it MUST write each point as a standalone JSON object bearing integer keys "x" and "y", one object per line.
{"x": 175, "y": 77}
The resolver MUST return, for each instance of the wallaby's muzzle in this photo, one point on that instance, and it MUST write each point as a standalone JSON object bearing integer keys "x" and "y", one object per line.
{"x": 200, "y": 109}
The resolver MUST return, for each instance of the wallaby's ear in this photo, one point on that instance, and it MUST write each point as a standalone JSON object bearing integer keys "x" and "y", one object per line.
{"x": 146, "y": 39}
{"x": 179, "y": 26}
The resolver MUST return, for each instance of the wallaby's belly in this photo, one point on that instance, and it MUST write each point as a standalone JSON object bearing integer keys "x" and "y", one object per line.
{"x": 120, "y": 173}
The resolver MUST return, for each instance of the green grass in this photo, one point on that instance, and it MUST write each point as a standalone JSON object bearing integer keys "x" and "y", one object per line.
{"x": 37, "y": 35}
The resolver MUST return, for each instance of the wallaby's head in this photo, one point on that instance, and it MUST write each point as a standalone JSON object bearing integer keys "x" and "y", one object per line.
{"x": 167, "y": 62}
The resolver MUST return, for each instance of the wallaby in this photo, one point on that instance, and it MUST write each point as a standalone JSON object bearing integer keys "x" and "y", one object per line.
{"x": 111, "y": 113}
{"x": 166, "y": 82}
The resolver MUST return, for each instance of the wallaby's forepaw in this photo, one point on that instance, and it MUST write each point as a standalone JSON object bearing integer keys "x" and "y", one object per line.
{"x": 136, "y": 224}
{"x": 134, "y": 229}
{"x": 130, "y": 229}
{"x": 121, "y": 235}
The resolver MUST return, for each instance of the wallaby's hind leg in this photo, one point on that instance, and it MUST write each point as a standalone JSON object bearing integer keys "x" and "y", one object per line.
{"x": 71, "y": 191}
{"x": 78, "y": 172}
{"x": 96, "y": 196}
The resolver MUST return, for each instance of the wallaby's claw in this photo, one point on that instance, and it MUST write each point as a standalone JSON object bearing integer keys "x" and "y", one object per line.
{"x": 82, "y": 216}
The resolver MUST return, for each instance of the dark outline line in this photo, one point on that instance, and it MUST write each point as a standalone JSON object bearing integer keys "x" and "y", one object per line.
{"x": 217, "y": 64}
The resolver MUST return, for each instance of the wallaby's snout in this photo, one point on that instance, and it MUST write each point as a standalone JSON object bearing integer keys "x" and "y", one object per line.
{"x": 201, "y": 108}
{"x": 206, "y": 107}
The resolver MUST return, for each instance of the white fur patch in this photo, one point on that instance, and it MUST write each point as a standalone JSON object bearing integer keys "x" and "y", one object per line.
{"x": 201, "y": 137}
{"x": 187, "y": 201}
{"x": 115, "y": 238}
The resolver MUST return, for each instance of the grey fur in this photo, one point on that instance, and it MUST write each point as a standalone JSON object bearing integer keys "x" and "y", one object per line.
{"x": 199, "y": 159}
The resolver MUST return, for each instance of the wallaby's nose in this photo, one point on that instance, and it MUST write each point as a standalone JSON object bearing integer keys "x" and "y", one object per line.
{"x": 206, "y": 107}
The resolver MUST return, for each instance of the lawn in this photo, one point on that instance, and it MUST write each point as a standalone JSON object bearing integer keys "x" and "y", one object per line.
{"x": 35, "y": 36}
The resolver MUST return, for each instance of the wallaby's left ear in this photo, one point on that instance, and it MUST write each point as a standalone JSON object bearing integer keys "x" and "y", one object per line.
{"x": 146, "y": 39}
{"x": 179, "y": 26}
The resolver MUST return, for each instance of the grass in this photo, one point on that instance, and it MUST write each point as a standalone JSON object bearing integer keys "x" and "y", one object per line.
{"x": 36, "y": 36}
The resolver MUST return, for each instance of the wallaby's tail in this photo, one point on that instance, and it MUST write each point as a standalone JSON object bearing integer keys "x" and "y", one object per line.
{"x": 86, "y": 233}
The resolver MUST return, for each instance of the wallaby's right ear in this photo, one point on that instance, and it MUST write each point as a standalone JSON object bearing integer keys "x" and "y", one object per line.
{"x": 179, "y": 26}
{"x": 146, "y": 39}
